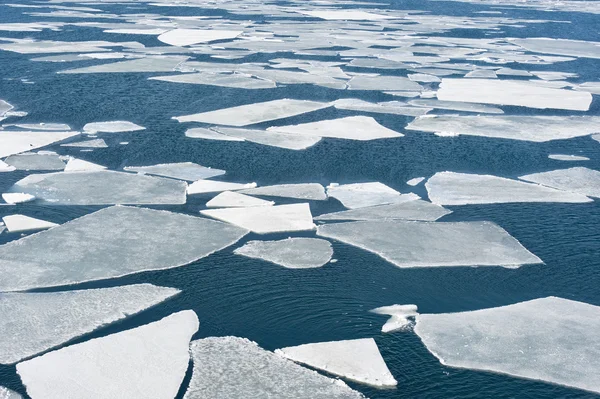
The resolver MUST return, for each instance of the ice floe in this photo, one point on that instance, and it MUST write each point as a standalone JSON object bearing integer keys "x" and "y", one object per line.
{"x": 110, "y": 243}
{"x": 575, "y": 48}
{"x": 29, "y": 161}
{"x": 577, "y": 180}
{"x": 188, "y": 171}
{"x": 235, "y": 80}
{"x": 456, "y": 106}
{"x": 214, "y": 186}
{"x": 29, "y": 320}
{"x": 548, "y": 339}
{"x": 101, "y": 188}
{"x": 409, "y": 210}
{"x": 210, "y": 134}
{"x": 345, "y": 15}
{"x": 145, "y": 362}
{"x": 292, "y": 253}
{"x": 287, "y": 141}
{"x": 111, "y": 127}
{"x": 94, "y": 143}
{"x": 21, "y": 223}
{"x": 79, "y": 165}
{"x": 387, "y": 83}
{"x": 266, "y": 219}
{"x": 399, "y": 315}
{"x": 451, "y": 188}
{"x": 565, "y": 157}
{"x": 357, "y": 360}
{"x": 361, "y": 195}
{"x": 390, "y": 107}
{"x": 433, "y": 244}
{"x": 4, "y": 167}
{"x": 415, "y": 181}
{"x": 250, "y": 114}
{"x": 148, "y": 64}
{"x": 231, "y": 367}
{"x": 6, "y": 393}
{"x": 17, "y": 198}
{"x": 14, "y": 142}
{"x": 231, "y": 199}
{"x": 43, "y": 126}
{"x": 305, "y": 191}
{"x": 187, "y": 37}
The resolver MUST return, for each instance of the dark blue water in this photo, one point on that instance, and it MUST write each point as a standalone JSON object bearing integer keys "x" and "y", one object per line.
{"x": 279, "y": 307}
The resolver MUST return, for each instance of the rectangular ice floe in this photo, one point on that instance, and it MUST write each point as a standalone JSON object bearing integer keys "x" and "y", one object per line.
{"x": 292, "y": 253}
{"x": 305, "y": 191}
{"x": 433, "y": 244}
{"x": 576, "y": 48}
{"x": 250, "y": 114}
{"x": 361, "y": 195}
{"x": 183, "y": 171}
{"x": 577, "y": 180}
{"x": 550, "y": 339}
{"x": 409, "y": 210}
{"x": 512, "y": 92}
{"x": 527, "y": 128}
{"x": 110, "y": 243}
{"x": 450, "y": 188}
{"x": 14, "y": 142}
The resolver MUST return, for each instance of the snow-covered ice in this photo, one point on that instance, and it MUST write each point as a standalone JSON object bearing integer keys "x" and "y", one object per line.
{"x": 187, "y": 37}
{"x": 578, "y": 180}
{"x": 111, "y": 127}
{"x": 292, "y": 253}
{"x": 21, "y": 223}
{"x": 214, "y": 186}
{"x": 232, "y": 199}
{"x": 409, "y": 210}
{"x": 305, "y": 191}
{"x": 361, "y": 195}
{"x": 188, "y": 171}
{"x": 31, "y": 161}
{"x": 399, "y": 315}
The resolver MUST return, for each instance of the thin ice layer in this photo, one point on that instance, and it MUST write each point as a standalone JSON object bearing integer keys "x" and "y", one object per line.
{"x": 29, "y": 320}
{"x": 357, "y": 360}
{"x": 305, "y": 191}
{"x": 399, "y": 315}
{"x": 101, "y": 188}
{"x": 112, "y": 127}
{"x": 35, "y": 162}
{"x": 110, "y": 243}
{"x": 578, "y": 180}
{"x": 16, "y": 142}
{"x": 231, "y": 367}
{"x": 409, "y": 210}
{"x": 232, "y": 199}
{"x": 268, "y": 219}
{"x": 183, "y": 171}
{"x": 145, "y": 362}
{"x": 250, "y": 114}
{"x": 549, "y": 339}
{"x": 450, "y": 188}
{"x": 292, "y": 253}
{"x": 361, "y": 195}
{"x": 21, "y": 223}
{"x": 433, "y": 244}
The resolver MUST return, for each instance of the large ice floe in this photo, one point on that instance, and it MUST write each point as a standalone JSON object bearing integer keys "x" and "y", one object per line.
{"x": 433, "y": 244}
{"x": 214, "y": 186}
{"x": 250, "y": 114}
{"x": 292, "y": 253}
{"x": 101, "y": 188}
{"x": 549, "y": 339}
{"x": 357, "y": 360}
{"x": 578, "y": 180}
{"x": 512, "y": 92}
{"x": 187, "y": 37}
{"x": 273, "y": 139}
{"x": 451, "y": 188}
{"x": 112, "y": 127}
{"x": 148, "y": 64}
{"x": 31, "y": 161}
{"x": 409, "y": 210}
{"x": 232, "y": 199}
{"x": 361, "y": 195}
{"x": 188, "y": 171}
{"x": 145, "y": 362}
{"x": 110, "y": 243}
{"x": 527, "y": 128}
{"x": 14, "y": 142}
{"x": 6, "y": 393}
{"x": 231, "y": 367}
{"x": 399, "y": 315}
{"x": 21, "y": 223}
{"x": 266, "y": 219}
{"x": 29, "y": 320}
{"x": 305, "y": 191}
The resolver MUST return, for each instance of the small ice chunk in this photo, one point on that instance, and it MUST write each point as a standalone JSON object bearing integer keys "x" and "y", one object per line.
{"x": 565, "y": 157}
{"x": 187, "y": 37}
{"x": 409, "y": 210}
{"x": 305, "y": 191}
{"x": 292, "y": 253}
{"x": 272, "y": 139}
{"x": 111, "y": 127}
{"x": 145, "y": 362}
{"x": 351, "y": 128}
{"x": 266, "y": 219}
{"x": 214, "y": 186}
{"x": 79, "y": 312}
{"x": 6, "y": 393}
{"x": 17, "y": 198}
{"x": 482, "y": 73}
{"x": 230, "y": 199}
{"x": 32, "y": 161}
{"x": 456, "y": 106}
{"x": 188, "y": 171}
{"x": 433, "y": 244}
{"x": 577, "y": 180}
{"x": 548, "y": 339}
{"x": 231, "y": 367}
{"x": 79, "y": 165}
{"x": 21, "y": 223}
{"x": 361, "y": 195}
{"x": 424, "y": 78}
{"x": 450, "y": 188}
{"x": 209, "y": 134}
{"x": 383, "y": 83}
{"x": 345, "y": 15}
{"x": 4, "y": 167}
{"x": 512, "y": 92}
{"x": 95, "y": 143}
{"x": 357, "y": 360}
{"x": 235, "y": 80}
{"x": 399, "y": 316}
{"x": 250, "y": 114}
{"x": 14, "y": 142}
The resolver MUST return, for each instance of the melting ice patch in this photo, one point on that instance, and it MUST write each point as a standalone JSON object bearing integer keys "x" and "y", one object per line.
{"x": 231, "y": 367}
{"x": 409, "y": 210}
{"x": 111, "y": 127}
{"x": 399, "y": 315}
{"x": 305, "y": 191}
{"x": 357, "y": 360}
{"x": 549, "y": 339}
{"x": 231, "y": 199}
{"x": 21, "y": 223}
{"x": 188, "y": 171}
{"x": 433, "y": 244}
{"x": 145, "y": 362}
{"x": 29, "y": 320}
{"x": 292, "y": 253}
{"x": 578, "y": 180}
{"x": 361, "y": 195}
{"x": 110, "y": 243}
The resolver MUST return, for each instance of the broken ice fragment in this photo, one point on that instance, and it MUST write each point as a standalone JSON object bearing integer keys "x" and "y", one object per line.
{"x": 230, "y": 199}
{"x": 31, "y": 161}
{"x": 214, "y": 186}
{"x": 360, "y": 195}
{"x": 6, "y": 393}
{"x": 409, "y": 210}
{"x": 305, "y": 191}
{"x": 577, "y": 180}
{"x": 187, "y": 37}
{"x": 95, "y": 143}
{"x": 188, "y": 171}
{"x": 111, "y": 127}
{"x": 564, "y": 157}
{"x": 14, "y": 142}
{"x": 415, "y": 181}
{"x": 17, "y": 198}
{"x": 399, "y": 315}
{"x": 292, "y": 253}
{"x": 79, "y": 165}
{"x": 272, "y": 139}
{"x": 21, "y": 223}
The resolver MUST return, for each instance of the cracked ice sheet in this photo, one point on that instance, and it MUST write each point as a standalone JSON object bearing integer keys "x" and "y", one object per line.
{"x": 35, "y": 162}
{"x": 28, "y": 46}
{"x": 291, "y": 253}
{"x": 110, "y": 243}
{"x": 409, "y": 210}
{"x": 22, "y": 223}
{"x": 361, "y": 195}
{"x": 231, "y": 367}
{"x": 450, "y": 188}
{"x": 357, "y": 360}
{"x": 250, "y": 114}
{"x": 527, "y": 128}
{"x": 111, "y": 127}
{"x": 352, "y": 128}
{"x": 512, "y": 92}
{"x": 101, "y": 188}
{"x": 6, "y": 393}
{"x": 268, "y": 138}
{"x": 456, "y": 106}
{"x": 149, "y": 64}
{"x": 145, "y": 362}
{"x": 267, "y": 219}
{"x": 575, "y": 48}
{"x": 548, "y": 339}
{"x": 433, "y": 244}
{"x": 188, "y": 171}
{"x": 187, "y": 37}
{"x": 305, "y": 191}
{"x": 21, "y": 141}
{"x": 577, "y": 180}
{"x": 79, "y": 312}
